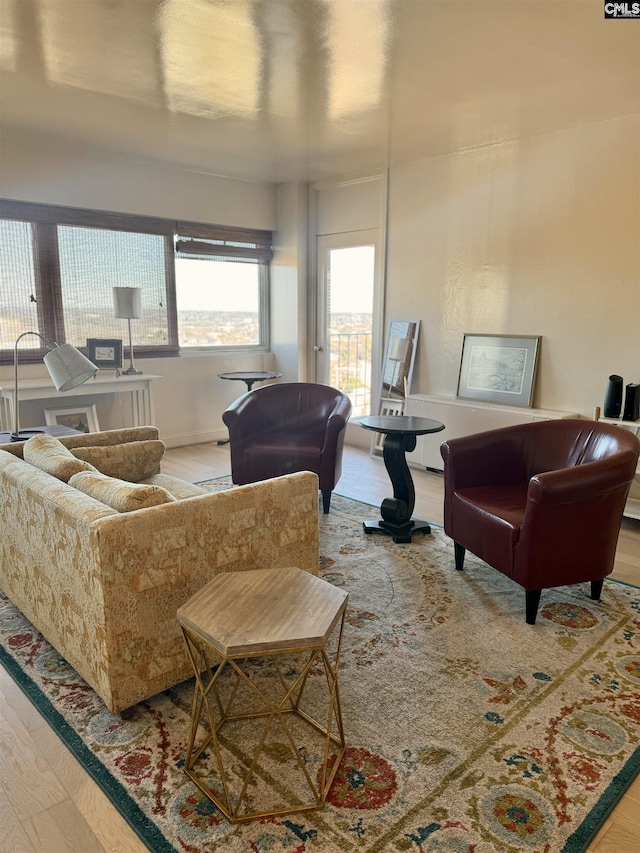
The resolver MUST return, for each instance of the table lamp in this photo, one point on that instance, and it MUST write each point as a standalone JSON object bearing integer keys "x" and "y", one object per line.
{"x": 67, "y": 368}
{"x": 127, "y": 305}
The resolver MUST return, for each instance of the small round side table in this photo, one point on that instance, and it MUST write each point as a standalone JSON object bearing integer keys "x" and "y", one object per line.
{"x": 250, "y": 376}
{"x": 400, "y": 437}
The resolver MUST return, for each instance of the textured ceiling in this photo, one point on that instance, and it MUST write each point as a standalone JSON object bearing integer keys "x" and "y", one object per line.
{"x": 304, "y": 89}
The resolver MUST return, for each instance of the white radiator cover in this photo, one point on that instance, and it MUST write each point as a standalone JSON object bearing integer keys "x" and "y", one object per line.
{"x": 465, "y": 417}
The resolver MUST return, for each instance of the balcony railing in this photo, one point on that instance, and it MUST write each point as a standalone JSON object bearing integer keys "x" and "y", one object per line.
{"x": 350, "y": 368}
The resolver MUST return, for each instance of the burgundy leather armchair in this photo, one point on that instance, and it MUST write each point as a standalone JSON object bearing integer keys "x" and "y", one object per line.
{"x": 540, "y": 502}
{"x": 288, "y": 427}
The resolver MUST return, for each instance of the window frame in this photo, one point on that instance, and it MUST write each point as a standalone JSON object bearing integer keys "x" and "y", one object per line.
{"x": 45, "y": 220}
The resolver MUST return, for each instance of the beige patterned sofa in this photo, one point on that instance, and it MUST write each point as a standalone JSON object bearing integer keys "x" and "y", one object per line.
{"x": 103, "y": 586}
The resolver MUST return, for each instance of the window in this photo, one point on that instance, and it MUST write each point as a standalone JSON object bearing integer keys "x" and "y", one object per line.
{"x": 202, "y": 286}
{"x": 221, "y": 286}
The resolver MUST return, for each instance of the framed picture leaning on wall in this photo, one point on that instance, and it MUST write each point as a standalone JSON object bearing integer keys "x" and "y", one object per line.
{"x": 83, "y": 418}
{"x": 498, "y": 368}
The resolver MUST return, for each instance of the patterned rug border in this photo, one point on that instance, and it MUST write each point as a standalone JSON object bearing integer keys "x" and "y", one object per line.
{"x": 122, "y": 801}
{"x": 150, "y": 834}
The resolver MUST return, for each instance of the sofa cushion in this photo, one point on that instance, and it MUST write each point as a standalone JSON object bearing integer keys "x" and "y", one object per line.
{"x": 178, "y": 488}
{"x": 133, "y": 461}
{"x": 48, "y": 454}
{"x": 119, "y": 494}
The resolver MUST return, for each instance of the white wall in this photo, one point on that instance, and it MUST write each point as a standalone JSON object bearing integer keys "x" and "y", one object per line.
{"x": 43, "y": 171}
{"x": 190, "y": 399}
{"x": 289, "y": 284}
{"x": 539, "y": 236}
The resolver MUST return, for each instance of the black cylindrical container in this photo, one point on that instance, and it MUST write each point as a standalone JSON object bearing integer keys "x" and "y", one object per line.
{"x": 613, "y": 397}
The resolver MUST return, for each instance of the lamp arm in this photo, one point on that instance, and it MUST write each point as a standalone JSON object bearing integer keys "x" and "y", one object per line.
{"x": 16, "y": 408}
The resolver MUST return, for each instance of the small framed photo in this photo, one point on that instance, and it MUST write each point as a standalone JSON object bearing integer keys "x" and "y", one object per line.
{"x": 82, "y": 418}
{"x": 105, "y": 352}
{"x": 499, "y": 368}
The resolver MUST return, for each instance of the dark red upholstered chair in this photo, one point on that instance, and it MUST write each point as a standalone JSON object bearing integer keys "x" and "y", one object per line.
{"x": 287, "y": 427}
{"x": 540, "y": 502}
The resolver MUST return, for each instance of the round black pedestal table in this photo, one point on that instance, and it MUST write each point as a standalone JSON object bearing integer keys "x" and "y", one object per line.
{"x": 400, "y": 438}
{"x": 250, "y": 376}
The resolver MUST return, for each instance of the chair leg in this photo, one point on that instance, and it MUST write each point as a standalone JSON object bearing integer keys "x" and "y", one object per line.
{"x": 596, "y": 589}
{"x": 532, "y": 602}
{"x": 458, "y": 552}
{"x": 326, "y": 500}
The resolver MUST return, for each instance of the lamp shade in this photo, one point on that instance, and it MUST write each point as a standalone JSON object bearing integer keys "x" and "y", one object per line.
{"x": 398, "y": 349}
{"x": 127, "y": 303}
{"x": 68, "y": 367}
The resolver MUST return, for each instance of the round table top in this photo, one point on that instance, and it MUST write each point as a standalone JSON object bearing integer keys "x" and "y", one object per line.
{"x": 251, "y": 375}
{"x": 400, "y": 424}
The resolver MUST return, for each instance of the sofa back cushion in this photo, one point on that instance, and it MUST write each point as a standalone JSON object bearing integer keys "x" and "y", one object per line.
{"x": 133, "y": 461}
{"x": 119, "y": 494}
{"x": 47, "y": 453}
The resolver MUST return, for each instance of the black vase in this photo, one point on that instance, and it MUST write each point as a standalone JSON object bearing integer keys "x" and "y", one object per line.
{"x": 613, "y": 397}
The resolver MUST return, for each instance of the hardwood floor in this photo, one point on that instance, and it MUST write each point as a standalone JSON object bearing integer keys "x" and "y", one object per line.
{"x": 49, "y": 804}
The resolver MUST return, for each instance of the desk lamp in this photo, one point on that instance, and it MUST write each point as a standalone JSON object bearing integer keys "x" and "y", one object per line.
{"x": 67, "y": 368}
{"x": 127, "y": 305}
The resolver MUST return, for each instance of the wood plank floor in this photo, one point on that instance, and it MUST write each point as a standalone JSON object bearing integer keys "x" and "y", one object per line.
{"x": 48, "y": 803}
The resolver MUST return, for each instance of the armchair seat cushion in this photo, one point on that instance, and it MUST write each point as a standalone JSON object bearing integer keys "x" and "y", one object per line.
{"x": 283, "y": 453}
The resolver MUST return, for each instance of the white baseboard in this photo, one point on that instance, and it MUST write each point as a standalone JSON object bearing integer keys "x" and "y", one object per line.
{"x": 203, "y": 437}
{"x": 358, "y": 437}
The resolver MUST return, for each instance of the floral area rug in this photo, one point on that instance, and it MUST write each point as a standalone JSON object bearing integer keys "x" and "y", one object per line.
{"x": 467, "y": 730}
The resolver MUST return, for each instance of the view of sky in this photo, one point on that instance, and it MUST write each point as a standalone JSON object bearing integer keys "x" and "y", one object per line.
{"x": 351, "y": 274}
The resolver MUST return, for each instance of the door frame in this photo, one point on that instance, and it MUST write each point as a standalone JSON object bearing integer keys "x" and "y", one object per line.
{"x": 345, "y": 240}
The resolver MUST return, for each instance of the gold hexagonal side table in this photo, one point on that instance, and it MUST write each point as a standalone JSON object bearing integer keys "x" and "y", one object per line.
{"x": 265, "y": 646}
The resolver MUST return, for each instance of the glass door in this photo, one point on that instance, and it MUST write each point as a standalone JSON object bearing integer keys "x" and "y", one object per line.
{"x": 348, "y": 315}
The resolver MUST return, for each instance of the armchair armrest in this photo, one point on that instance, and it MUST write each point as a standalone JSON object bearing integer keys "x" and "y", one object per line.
{"x": 243, "y": 418}
{"x": 571, "y": 522}
{"x": 339, "y": 416}
{"x": 582, "y": 483}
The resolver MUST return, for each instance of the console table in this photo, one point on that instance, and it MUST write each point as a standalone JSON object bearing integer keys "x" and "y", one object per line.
{"x": 400, "y": 437}
{"x": 138, "y": 387}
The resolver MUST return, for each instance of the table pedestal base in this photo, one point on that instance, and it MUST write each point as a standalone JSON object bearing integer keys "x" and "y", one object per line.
{"x": 399, "y": 532}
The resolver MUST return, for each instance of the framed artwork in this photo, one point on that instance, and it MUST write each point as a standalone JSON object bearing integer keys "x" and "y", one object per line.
{"x": 82, "y": 418}
{"x": 105, "y": 352}
{"x": 498, "y": 368}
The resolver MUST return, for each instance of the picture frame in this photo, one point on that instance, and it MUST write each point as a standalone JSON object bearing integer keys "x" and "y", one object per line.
{"x": 499, "y": 368}
{"x": 105, "y": 352}
{"x": 83, "y": 418}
